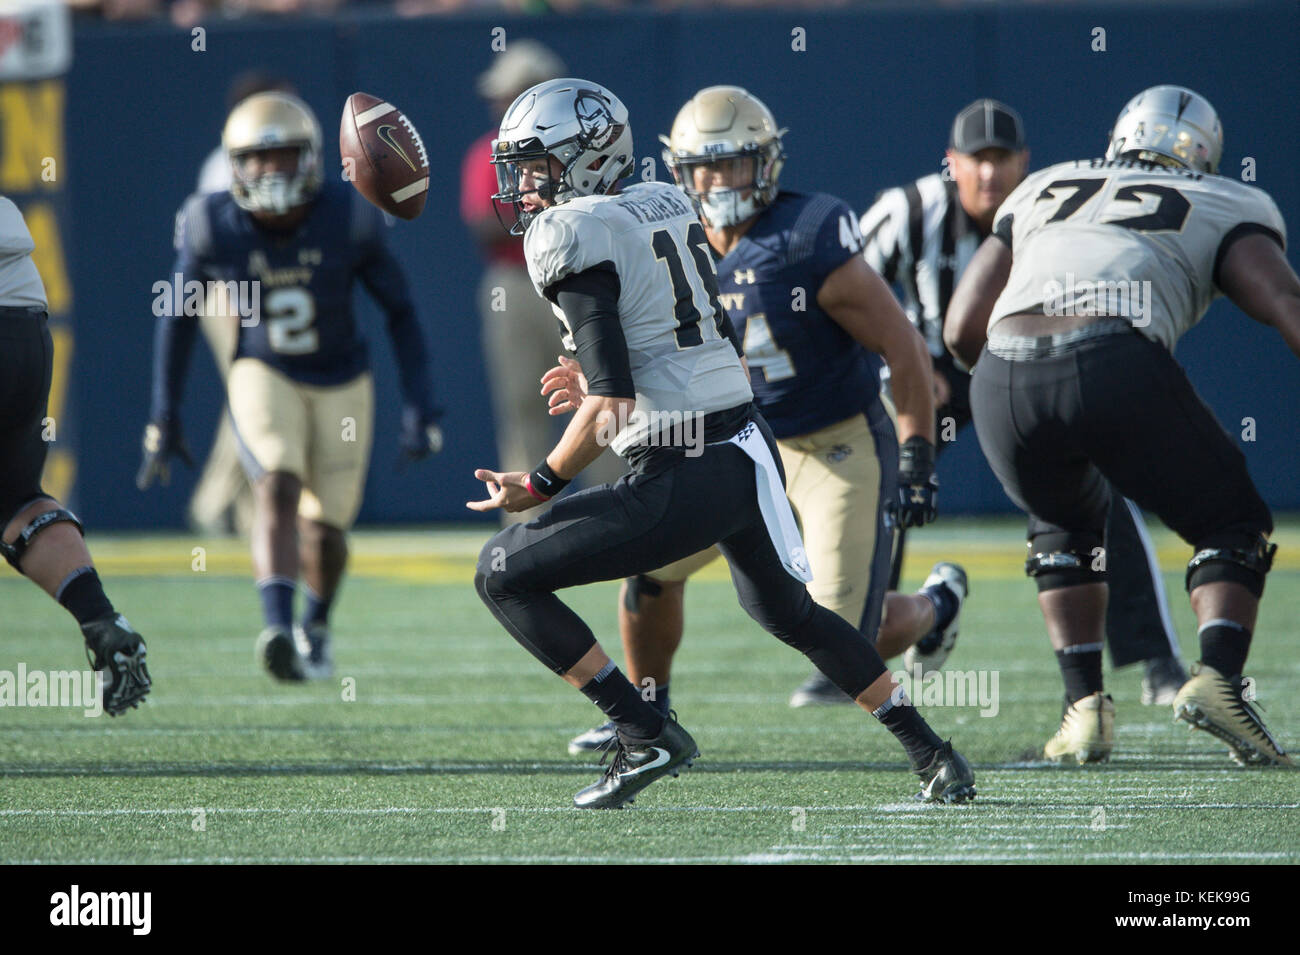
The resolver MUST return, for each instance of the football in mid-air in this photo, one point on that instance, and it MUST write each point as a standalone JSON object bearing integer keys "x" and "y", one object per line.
{"x": 383, "y": 155}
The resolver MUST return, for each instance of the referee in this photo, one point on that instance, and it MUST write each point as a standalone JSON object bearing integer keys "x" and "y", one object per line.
{"x": 921, "y": 237}
{"x": 41, "y": 539}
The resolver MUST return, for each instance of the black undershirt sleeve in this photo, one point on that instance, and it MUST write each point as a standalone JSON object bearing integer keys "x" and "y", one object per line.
{"x": 589, "y": 300}
{"x": 1240, "y": 231}
{"x": 729, "y": 330}
{"x": 1003, "y": 228}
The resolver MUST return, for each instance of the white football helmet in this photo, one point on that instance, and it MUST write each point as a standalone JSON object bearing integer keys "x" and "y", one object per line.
{"x": 726, "y": 123}
{"x": 581, "y": 124}
{"x": 273, "y": 121}
{"x": 1170, "y": 122}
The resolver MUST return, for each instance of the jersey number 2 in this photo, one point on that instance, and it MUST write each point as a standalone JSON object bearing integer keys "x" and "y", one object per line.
{"x": 290, "y": 314}
{"x": 687, "y": 315}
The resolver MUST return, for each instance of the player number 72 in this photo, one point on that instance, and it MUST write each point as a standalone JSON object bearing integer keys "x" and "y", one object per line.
{"x": 1169, "y": 215}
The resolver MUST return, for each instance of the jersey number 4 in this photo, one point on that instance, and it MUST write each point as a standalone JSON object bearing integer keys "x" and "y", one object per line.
{"x": 685, "y": 311}
{"x": 1169, "y": 214}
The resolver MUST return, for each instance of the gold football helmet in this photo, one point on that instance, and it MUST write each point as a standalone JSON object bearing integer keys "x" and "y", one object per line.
{"x": 726, "y": 123}
{"x": 268, "y": 121}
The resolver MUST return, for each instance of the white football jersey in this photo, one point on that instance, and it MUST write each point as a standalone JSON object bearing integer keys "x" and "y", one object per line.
{"x": 20, "y": 283}
{"x": 1125, "y": 238}
{"x": 681, "y": 362}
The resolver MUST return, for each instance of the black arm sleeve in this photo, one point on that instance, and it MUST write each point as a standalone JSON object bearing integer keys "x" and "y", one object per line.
{"x": 589, "y": 300}
{"x": 1003, "y": 228}
{"x": 1240, "y": 231}
{"x": 729, "y": 330}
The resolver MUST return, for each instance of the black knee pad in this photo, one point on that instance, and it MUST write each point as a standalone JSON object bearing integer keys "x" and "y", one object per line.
{"x": 638, "y": 585}
{"x": 1239, "y": 557}
{"x": 1065, "y": 559}
{"x": 14, "y": 552}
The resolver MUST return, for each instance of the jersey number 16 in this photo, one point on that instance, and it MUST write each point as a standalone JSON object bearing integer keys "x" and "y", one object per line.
{"x": 685, "y": 311}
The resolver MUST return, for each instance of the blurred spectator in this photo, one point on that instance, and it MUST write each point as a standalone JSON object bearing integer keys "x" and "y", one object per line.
{"x": 187, "y": 13}
{"x": 119, "y": 9}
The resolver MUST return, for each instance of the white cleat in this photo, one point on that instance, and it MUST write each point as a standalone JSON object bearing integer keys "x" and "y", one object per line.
{"x": 313, "y": 645}
{"x": 930, "y": 652}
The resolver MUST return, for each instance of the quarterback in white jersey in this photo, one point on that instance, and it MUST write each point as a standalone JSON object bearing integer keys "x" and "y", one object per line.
{"x": 631, "y": 278}
{"x": 1094, "y": 270}
{"x": 682, "y": 365}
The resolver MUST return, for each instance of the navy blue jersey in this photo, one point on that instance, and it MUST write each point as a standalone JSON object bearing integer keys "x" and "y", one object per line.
{"x": 807, "y": 371}
{"x": 300, "y": 285}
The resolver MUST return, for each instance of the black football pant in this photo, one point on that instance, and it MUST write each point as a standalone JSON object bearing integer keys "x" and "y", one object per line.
{"x": 1138, "y": 626}
{"x": 26, "y": 365}
{"x": 1116, "y": 412}
{"x": 643, "y": 522}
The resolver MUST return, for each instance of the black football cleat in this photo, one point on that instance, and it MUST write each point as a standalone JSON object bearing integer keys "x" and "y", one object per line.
{"x": 636, "y": 764}
{"x": 948, "y": 778}
{"x": 117, "y": 651}
{"x": 277, "y": 652}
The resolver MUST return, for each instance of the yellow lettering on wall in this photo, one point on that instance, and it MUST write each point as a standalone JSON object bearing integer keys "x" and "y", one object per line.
{"x": 31, "y": 131}
{"x": 63, "y": 345}
{"x": 48, "y": 256}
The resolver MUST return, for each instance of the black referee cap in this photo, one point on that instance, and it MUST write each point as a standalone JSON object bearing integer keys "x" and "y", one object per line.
{"x": 987, "y": 123}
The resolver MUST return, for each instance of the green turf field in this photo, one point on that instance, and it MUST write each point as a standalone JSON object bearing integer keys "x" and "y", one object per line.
{"x": 453, "y": 749}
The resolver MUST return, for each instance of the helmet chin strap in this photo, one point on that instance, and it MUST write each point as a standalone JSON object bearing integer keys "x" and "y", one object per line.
{"x": 1145, "y": 155}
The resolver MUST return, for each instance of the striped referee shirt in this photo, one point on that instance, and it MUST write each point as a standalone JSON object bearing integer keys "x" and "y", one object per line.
{"x": 920, "y": 238}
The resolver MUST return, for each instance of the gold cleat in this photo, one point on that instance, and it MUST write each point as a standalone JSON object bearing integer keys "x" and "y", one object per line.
{"x": 1087, "y": 731}
{"x": 1211, "y": 702}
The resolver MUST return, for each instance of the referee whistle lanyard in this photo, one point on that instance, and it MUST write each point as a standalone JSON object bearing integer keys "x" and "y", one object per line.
{"x": 773, "y": 503}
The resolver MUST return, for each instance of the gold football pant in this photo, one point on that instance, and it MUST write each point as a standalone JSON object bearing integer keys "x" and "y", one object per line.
{"x": 321, "y": 435}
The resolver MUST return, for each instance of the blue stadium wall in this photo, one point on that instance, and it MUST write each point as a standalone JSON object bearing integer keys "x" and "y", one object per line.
{"x": 868, "y": 102}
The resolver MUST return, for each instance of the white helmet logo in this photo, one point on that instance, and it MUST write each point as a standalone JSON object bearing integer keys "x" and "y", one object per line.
{"x": 598, "y": 128}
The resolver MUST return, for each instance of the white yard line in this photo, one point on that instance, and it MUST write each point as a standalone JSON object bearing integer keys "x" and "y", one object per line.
{"x": 794, "y": 854}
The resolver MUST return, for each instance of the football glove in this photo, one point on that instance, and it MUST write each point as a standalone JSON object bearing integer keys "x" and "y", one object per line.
{"x": 918, "y": 488}
{"x": 421, "y": 437}
{"x": 162, "y": 439}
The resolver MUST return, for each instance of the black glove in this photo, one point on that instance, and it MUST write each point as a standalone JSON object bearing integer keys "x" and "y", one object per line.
{"x": 918, "y": 488}
{"x": 421, "y": 436}
{"x": 162, "y": 439}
